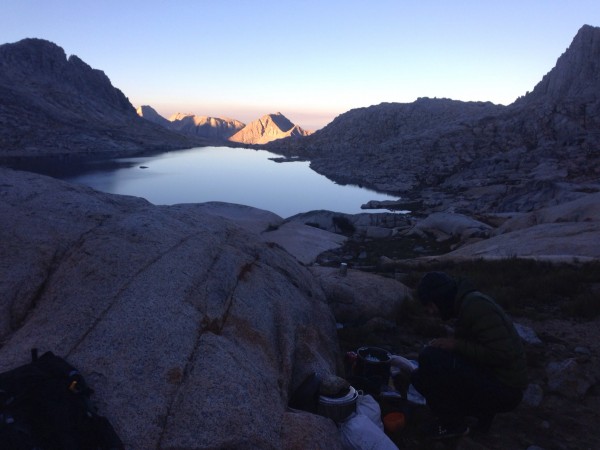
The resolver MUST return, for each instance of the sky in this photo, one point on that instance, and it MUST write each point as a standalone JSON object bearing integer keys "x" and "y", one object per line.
{"x": 310, "y": 60}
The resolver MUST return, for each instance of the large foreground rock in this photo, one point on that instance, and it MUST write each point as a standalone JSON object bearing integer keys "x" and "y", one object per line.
{"x": 356, "y": 297}
{"x": 302, "y": 241}
{"x": 192, "y": 331}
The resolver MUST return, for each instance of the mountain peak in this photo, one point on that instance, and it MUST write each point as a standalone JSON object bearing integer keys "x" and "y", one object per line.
{"x": 268, "y": 128}
{"x": 279, "y": 120}
{"x": 577, "y": 70}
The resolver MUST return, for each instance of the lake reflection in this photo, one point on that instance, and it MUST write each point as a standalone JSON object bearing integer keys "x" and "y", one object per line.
{"x": 232, "y": 175}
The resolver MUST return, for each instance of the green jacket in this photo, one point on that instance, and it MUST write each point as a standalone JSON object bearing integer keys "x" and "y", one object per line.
{"x": 485, "y": 335}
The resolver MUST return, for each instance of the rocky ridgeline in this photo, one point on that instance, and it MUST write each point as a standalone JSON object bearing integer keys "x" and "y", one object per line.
{"x": 54, "y": 105}
{"x": 209, "y": 127}
{"x": 542, "y": 150}
{"x": 268, "y": 128}
{"x": 212, "y": 128}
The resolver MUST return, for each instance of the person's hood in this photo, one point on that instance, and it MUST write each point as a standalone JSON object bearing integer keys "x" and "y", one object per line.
{"x": 464, "y": 287}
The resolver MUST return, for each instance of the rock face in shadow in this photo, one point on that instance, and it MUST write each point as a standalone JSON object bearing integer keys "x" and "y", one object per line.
{"x": 193, "y": 331}
{"x": 576, "y": 74}
{"x": 268, "y": 128}
{"x": 476, "y": 156}
{"x": 54, "y": 105}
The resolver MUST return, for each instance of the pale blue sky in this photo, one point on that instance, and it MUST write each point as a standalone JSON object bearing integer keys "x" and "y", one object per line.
{"x": 312, "y": 60}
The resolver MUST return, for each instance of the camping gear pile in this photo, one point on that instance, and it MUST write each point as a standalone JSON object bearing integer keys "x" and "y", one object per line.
{"x": 371, "y": 405}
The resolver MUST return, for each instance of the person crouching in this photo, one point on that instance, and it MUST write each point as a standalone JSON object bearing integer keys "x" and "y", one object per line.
{"x": 480, "y": 371}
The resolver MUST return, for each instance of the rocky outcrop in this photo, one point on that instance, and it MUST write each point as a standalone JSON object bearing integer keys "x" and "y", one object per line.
{"x": 268, "y": 128}
{"x": 54, "y": 105}
{"x": 474, "y": 157}
{"x": 444, "y": 226}
{"x": 564, "y": 232}
{"x": 192, "y": 330}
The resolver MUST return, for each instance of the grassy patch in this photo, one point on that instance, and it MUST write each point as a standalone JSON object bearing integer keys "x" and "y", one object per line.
{"x": 526, "y": 287}
{"x": 366, "y": 252}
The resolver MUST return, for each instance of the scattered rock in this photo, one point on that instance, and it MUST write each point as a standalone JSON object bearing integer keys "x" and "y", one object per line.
{"x": 568, "y": 378}
{"x": 446, "y": 225}
{"x": 583, "y": 351}
{"x": 533, "y": 395}
{"x": 528, "y": 334}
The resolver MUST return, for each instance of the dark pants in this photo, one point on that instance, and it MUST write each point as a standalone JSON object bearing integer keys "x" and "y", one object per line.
{"x": 455, "y": 389}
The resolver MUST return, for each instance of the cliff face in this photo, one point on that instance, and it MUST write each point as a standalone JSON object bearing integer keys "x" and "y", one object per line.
{"x": 477, "y": 153}
{"x": 51, "y": 104}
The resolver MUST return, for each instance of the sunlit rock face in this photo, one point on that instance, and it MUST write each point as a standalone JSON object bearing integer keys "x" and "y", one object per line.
{"x": 193, "y": 331}
{"x": 213, "y": 128}
{"x": 268, "y": 128}
{"x": 475, "y": 156}
{"x": 205, "y": 126}
{"x": 54, "y": 105}
{"x": 149, "y": 113}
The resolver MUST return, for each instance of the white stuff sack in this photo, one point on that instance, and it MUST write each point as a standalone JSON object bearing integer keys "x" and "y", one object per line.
{"x": 402, "y": 365}
{"x": 367, "y": 405}
{"x": 360, "y": 433}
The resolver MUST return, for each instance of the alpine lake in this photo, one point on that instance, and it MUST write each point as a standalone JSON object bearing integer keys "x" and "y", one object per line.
{"x": 250, "y": 177}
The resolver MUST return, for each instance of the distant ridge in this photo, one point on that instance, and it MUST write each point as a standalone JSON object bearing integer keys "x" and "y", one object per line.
{"x": 213, "y": 128}
{"x": 268, "y": 128}
{"x": 51, "y": 104}
{"x": 205, "y": 126}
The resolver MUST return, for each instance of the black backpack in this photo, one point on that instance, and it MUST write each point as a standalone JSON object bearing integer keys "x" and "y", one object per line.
{"x": 46, "y": 405}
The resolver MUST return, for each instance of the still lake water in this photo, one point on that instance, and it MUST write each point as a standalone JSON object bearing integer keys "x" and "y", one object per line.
{"x": 232, "y": 175}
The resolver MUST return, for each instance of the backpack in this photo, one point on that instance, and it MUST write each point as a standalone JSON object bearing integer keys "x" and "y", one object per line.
{"x": 46, "y": 405}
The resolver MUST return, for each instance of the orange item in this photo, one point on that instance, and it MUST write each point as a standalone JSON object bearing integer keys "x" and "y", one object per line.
{"x": 394, "y": 421}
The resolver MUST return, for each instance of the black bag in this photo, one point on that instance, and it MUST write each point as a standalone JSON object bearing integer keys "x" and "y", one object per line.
{"x": 46, "y": 405}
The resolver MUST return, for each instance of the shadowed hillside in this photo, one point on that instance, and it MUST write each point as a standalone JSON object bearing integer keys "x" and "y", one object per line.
{"x": 54, "y": 105}
{"x": 485, "y": 156}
